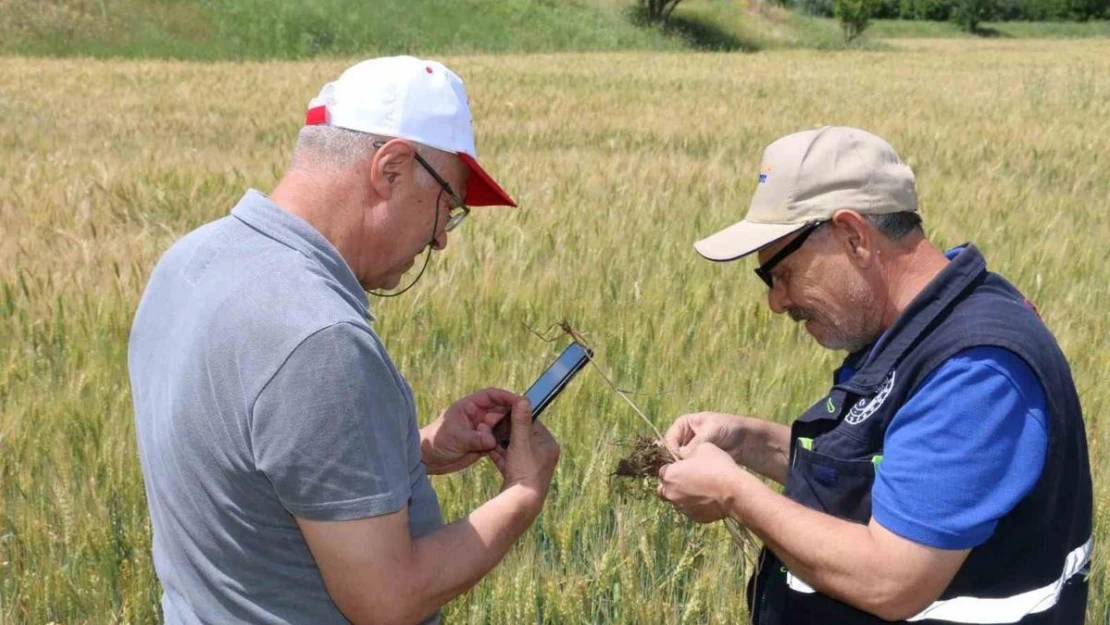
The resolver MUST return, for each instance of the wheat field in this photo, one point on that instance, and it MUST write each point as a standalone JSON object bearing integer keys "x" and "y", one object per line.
{"x": 619, "y": 161}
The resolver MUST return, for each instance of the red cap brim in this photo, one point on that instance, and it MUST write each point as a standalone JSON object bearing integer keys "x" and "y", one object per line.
{"x": 482, "y": 190}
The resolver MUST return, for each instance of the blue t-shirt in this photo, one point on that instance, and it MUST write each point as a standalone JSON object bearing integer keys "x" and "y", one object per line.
{"x": 963, "y": 451}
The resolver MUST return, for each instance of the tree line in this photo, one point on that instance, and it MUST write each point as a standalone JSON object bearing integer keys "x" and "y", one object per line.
{"x": 969, "y": 13}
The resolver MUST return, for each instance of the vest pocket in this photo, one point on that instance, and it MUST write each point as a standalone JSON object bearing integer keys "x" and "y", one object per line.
{"x": 831, "y": 485}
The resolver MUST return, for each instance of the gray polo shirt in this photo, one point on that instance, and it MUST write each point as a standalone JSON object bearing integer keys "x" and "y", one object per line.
{"x": 262, "y": 393}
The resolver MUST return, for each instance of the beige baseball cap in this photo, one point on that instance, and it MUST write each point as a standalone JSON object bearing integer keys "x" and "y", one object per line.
{"x": 806, "y": 177}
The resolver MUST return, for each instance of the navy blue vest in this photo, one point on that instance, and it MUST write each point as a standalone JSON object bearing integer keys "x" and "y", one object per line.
{"x": 1034, "y": 568}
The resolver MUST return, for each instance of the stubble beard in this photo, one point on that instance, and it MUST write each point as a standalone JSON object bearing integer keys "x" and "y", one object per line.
{"x": 852, "y": 328}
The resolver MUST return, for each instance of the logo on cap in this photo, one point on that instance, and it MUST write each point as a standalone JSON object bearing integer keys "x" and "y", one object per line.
{"x": 763, "y": 173}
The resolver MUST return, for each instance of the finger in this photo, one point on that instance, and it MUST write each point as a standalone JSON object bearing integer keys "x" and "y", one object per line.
{"x": 686, "y": 451}
{"x": 488, "y": 398}
{"x": 522, "y": 425}
{"x": 496, "y": 454}
{"x": 493, "y": 417}
{"x": 692, "y": 446}
{"x": 659, "y": 492}
{"x": 479, "y": 440}
{"x": 662, "y": 470}
{"x": 498, "y": 460}
{"x": 474, "y": 413}
{"x": 679, "y": 433}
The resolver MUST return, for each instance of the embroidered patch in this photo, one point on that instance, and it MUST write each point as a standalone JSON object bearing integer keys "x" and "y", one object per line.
{"x": 866, "y": 407}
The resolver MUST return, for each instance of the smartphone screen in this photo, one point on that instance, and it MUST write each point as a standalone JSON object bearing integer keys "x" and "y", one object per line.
{"x": 546, "y": 388}
{"x": 543, "y": 390}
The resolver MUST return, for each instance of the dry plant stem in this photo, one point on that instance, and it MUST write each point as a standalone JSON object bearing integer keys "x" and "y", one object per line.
{"x": 741, "y": 535}
{"x": 643, "y": 417}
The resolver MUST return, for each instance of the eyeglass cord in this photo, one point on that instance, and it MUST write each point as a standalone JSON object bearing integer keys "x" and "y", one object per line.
{"x": 427, "y": 256}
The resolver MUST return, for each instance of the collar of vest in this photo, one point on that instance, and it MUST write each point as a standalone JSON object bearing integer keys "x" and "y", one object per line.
{"x": 875, "y": 362}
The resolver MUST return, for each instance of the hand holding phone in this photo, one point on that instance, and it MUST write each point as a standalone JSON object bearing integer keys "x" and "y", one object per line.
{"x": 527, "y": 467}
{"x": 548, "y": 386}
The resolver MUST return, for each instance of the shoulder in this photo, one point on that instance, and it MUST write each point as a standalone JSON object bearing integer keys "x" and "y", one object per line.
{"x": 256, "y": 302}
{"x": 342, "y": 357}
{"x": 983, "y": 373}
{"x": 981, "y": 396}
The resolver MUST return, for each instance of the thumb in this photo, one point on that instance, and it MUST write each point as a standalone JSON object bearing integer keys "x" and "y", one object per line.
{"x": 522, "y": 424}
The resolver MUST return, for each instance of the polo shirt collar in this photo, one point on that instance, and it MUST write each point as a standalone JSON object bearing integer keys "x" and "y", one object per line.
{"x": 261, "y": 213}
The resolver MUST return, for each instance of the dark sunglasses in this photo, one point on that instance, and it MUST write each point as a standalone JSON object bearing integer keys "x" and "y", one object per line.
{"x": 764, "y": 270}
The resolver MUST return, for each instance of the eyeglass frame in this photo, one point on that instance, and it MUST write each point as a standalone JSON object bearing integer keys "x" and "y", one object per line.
{"x": 764, "y": 270}
{"x": 458, "y": 210}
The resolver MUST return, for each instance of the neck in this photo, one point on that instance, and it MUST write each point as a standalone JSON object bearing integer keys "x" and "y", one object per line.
{"x": 911, "y": 265}
{"x": 331, "y": 202}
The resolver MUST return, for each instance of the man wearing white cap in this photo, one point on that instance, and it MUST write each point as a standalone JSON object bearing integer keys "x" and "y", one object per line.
{"x": 285, "y": 473}
{"x": 944, "y": 477}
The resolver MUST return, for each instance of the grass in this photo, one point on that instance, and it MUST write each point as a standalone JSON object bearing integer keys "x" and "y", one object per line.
{"x": 298, "y": 29}
{"x": 620, "y": 161}
{"x": 292, "y": 29}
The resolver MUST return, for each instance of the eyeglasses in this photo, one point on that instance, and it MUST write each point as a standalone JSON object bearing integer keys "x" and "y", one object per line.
{"x": 764, "y": 270}
{"x": 458, "y": 210}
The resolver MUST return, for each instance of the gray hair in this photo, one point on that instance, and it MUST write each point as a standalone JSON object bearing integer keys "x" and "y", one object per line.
{"x": 334, "y": 149}
{"x": 895, "y": 226}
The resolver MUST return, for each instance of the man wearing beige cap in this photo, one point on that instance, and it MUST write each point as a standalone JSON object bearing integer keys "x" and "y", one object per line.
{"x": 285, "y": 473}
{"x": 944, "y": 477}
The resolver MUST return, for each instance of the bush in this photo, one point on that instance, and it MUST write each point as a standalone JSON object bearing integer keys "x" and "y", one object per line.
{"x": 935, "y": 10}
{"x": 658, "y": 10}
{"x": 820, "y": 8}
{"x": 971, "y": 13}
{"x": 854, "y": 16}
{"x": 1084, "y": 10}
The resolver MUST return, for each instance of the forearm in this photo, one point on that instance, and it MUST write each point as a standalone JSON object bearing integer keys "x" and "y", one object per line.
{"x": 765, "y": 448}
{"x": 834, "y": 556}
{"x": 452, "y": 559}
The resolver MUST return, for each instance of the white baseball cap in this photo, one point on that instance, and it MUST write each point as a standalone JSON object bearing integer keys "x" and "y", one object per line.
{"x": 806, "y": 177}
{"x": 408, "y": 98}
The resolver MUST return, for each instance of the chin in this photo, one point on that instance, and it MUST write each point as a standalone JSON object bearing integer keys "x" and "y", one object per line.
{"x": 811, "y": 326}
{"x": 814, "y": 327}
{"x": 380, "y": 284}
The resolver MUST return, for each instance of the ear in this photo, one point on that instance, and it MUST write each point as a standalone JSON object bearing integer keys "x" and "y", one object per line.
{"x": 391, "y": 167}
{"x": 856, "y": 236}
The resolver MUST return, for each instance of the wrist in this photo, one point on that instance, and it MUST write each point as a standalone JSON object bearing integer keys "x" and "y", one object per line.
{"x": 526, "y": 498}
{"x": 732, "y": 492}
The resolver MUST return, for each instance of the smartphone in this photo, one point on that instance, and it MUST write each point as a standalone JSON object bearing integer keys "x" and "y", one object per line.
{"x": 547, "y": 387}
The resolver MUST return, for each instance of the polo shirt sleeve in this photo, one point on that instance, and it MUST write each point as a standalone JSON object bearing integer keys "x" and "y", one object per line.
{"x": 963, "y": 451}
{"x": 330, "y": 432}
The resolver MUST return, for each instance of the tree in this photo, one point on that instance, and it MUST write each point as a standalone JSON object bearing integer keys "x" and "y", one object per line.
{"x": 657, "y": 11}
{"x": 854, "y": 16}
{"x": 971, "y": 13}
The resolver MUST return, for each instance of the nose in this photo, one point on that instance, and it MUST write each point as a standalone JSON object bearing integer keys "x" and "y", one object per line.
{"x": 777, "y": 298}
{"x": 440, "y": 242}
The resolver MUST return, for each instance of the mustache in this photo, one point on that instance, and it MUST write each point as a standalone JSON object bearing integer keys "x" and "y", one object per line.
{"x": 799, "y": 314}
